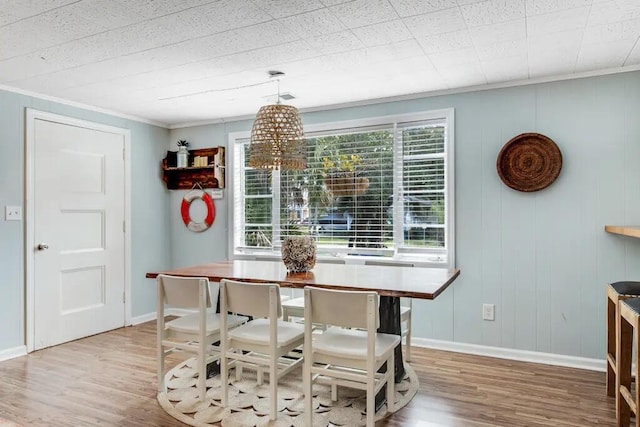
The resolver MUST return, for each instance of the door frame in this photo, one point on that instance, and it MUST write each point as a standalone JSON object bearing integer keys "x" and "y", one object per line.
{"x": 31, "y": 116}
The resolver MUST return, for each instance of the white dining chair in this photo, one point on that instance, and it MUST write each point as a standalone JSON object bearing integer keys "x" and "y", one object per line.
{"x": 293, "y": 308}
{"x": 405, "y": 325}
{"x": 347, "y": 357}
{"x": 261, "y": 342}
{"x": 193, "y": 333}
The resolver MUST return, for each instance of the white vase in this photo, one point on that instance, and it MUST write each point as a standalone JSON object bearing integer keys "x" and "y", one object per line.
{"x": 182, "y": 156}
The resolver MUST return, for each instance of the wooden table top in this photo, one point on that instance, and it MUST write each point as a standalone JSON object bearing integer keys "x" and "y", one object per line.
{"x": 625, "y": 230}
{"x": 413, "y": 282}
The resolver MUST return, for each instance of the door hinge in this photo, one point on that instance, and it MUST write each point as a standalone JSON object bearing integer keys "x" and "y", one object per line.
{"x": 124, "y": 297}
{"x": 123, "y": 157}
{"x": 124, "y": 226}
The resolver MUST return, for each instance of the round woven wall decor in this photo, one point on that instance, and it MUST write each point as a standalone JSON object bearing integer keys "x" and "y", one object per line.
{"x": 529, "y": 162}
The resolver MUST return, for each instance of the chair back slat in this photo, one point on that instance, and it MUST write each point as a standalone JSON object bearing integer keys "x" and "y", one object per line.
{"x": 184, "y": 292}
{"x": 250, "y": 299}
{"x": 347, "y": 309}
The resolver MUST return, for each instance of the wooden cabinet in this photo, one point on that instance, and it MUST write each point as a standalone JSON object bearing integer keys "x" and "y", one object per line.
{"x": 210, "y": 172}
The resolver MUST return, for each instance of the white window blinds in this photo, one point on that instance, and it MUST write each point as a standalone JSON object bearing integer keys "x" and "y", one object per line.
{"x": 423, "y": 192}
{"x": 374, "y": 190}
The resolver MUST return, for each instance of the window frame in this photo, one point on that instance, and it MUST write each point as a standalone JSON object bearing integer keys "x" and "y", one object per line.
{"x": 402, "y": 254}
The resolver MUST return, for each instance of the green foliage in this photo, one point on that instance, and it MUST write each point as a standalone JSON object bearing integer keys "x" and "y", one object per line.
{"x": 344, "y": 162}
{"x": 437, "y": 211}
{"x": 258, "y": 237}
{"x": 370, "y": 155}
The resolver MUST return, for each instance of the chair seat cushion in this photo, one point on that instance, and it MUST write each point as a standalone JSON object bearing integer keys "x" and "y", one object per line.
{"x": 294, "y": 303}
{"x": 352, "y": 344}
{"x": 191, "y": 322}
{"x": 626, "y": 288}
{"x": 257, "y": 332}
{"x": 634, "y": 304}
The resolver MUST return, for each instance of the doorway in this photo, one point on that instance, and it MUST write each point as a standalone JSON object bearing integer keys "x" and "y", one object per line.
{"x": 77, "y": 240}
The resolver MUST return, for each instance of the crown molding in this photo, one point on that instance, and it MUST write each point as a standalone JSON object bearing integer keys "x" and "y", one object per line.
{"x": 82, "y": 106}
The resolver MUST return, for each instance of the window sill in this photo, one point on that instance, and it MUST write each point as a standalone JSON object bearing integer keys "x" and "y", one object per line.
{"x": 431, "y": 261}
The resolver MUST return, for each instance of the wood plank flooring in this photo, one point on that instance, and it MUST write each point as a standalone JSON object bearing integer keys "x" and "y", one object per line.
{"x": 109, "y": 380}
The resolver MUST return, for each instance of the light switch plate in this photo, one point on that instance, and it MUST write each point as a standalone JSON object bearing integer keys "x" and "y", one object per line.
{"x": 13, "y": 213}
{"x": 216, "y": 194}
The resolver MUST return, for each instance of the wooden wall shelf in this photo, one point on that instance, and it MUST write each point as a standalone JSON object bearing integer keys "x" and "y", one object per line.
{"x": 625, "y": 230}
{"x": 210, "y": 176}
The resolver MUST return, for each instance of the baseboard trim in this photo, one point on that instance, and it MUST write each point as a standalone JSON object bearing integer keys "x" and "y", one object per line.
{"x": 457, "y": 347}
{"x": 12, "y": 353}
{"x": 143, "y": 319}
{"x": 513, "y": 354}
{"x": 152, "y": 316}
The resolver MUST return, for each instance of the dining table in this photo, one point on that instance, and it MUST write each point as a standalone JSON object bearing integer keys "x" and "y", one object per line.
{"x": 389, "y": 281}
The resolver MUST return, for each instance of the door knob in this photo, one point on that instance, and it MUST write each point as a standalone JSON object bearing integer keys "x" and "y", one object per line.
{"x": 42, "y": 246}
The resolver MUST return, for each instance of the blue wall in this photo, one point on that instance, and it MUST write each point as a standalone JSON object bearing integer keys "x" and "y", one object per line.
{"x": 150, "y": 222}
{"x": 542, "y": 258}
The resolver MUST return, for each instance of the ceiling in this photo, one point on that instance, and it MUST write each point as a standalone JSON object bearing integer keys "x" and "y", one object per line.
{"x": 183, "y": 61}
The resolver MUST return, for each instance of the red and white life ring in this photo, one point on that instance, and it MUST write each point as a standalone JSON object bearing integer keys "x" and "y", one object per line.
{"x": 186, "y": 204}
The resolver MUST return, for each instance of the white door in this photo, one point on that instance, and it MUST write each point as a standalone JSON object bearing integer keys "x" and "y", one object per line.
{"x": 79, "y": 240}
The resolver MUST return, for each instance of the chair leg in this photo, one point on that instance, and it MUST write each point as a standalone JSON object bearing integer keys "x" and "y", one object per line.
{"x": 371, "y": 399}
{"x": 611, "y": 345}
{"x": 623, "y": 369}
{"x": 408, "y": 341}
{"x": 259, "y": 376}
{"x": 160, "y": 357}
{"x": 636, "y": 396}
{"x": 238, "y": 366}
{"x": 307, "y": 383}
{"x": 224, "y": 377}
{"x": 202, "y": 371}
{"x": 391, "y": 396}
{"x": 273, "y": 385}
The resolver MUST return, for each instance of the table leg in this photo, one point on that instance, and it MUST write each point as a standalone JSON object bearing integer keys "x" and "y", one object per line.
{"x": 390, "y": 324}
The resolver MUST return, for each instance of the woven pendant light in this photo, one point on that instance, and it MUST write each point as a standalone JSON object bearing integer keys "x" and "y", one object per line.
{"x": 277, "y": 137}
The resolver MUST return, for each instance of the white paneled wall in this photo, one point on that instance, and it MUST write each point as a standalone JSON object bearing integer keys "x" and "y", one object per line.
{"x": 542, "y": 258}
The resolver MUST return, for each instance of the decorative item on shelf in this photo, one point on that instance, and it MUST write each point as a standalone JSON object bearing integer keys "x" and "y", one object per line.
{"x": 277, "y": 138}
{"x": 341, "y": 176}
{"x": 183, "y": 153}
{"x": 171, "y": 160}
{"x": 200, "y": 161}
{"x": 299, "y": 253}
{"x": 529, "y": 162}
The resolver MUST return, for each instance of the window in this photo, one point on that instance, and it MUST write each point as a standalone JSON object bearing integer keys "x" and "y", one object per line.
{"x": 378, "y": 187}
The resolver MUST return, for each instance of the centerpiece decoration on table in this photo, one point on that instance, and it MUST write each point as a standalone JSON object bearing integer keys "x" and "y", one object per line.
{"x": 341, "y": 176}
{"x": 299, "y": 253}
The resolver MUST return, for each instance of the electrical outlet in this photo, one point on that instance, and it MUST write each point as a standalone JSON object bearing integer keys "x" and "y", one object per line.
{"x": 488, "y": 312}
{"x": 12, "y": 213}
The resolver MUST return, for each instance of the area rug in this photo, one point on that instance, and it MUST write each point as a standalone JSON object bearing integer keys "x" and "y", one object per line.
{"x": 7, "y": 423}
{"x": 249, "y": 402}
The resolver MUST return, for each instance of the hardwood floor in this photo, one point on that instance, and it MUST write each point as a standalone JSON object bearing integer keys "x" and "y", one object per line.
{"x": 109, "y": 380}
